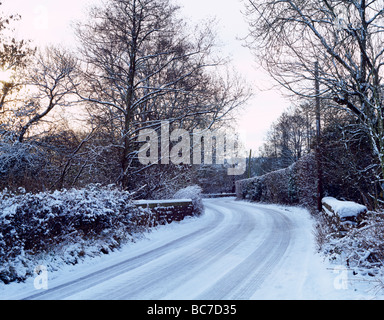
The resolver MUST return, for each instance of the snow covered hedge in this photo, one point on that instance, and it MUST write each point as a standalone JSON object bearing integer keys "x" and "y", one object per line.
{"x": 32, "y": 224}
{"x": 66, "y": 225}
{"x": 293, "y": 185}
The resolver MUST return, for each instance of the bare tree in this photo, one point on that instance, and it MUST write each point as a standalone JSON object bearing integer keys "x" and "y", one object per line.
{"x": 46, "y": 84}
{"x": 14, "y": 56}
{"x": 51, "y": 80}
{"x": 344, "y": 37}
{"x": 141, "y": 67}
{"x": 289, "y": 138}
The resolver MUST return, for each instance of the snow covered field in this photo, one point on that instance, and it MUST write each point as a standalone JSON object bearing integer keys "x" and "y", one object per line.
{"x": 236, "y": 250}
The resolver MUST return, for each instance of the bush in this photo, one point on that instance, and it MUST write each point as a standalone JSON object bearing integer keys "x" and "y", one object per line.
{"x": 32, "y": 224}
{"x": 195, "y": 194}
{"x": 293, "y": 185}
{"x": 360, "y": 249}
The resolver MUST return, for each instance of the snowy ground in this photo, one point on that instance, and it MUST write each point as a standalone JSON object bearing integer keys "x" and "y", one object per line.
{"x": 236, "y": 250}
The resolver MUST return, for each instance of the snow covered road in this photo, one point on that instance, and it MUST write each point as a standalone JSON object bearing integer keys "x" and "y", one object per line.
{"x": 236, "y": 250}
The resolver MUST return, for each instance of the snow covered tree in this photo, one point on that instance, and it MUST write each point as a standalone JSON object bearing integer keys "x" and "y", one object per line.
{"x": 345, "y": 38}
{"x": 44, "y": 85}
{"x": 141, "y": 67}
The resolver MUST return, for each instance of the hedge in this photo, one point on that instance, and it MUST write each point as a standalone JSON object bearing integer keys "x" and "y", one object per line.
{"x": 295, "y": 185}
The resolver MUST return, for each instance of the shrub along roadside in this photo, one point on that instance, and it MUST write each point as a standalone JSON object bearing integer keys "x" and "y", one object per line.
{"x": 295, "y": 185}
{"x": 360, "y": 249}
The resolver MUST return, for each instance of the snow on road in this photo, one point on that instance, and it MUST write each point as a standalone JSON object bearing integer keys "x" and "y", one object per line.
{"x": 236, "y": 250}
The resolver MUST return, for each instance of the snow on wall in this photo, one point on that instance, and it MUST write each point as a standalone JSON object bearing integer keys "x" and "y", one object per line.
{"x": 343, "y": 209}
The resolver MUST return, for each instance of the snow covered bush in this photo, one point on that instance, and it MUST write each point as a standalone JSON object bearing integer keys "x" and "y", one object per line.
{"x": 195, "y": 194}
{"x": 20, "y": 163}
{"x": 306, "y": 182}
{"x": 280, "y": 186}
{"x": 71, "y": 224}
{"x": 33, "y": 224}
{"x": 293, "y": 185}
{"x": 361, "y": 249}
{"x": 349, "y": 235}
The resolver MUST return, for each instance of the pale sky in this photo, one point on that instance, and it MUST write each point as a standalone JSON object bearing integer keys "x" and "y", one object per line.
{"x": 49, "y": 22}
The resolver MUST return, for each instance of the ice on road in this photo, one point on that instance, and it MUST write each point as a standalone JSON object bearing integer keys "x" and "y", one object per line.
{"x": 235, "y": 250}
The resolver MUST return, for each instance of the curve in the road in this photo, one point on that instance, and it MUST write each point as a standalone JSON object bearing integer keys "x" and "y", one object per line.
{"x": 108, "y": 273}
{"x": 228, "y": 256}
{"x": 242, "y": 281}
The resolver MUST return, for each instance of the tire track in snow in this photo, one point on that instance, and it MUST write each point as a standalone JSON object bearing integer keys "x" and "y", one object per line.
{"x": 242, "y": 281}
{"x": 171, "y": 270}
{"x": 226, "y": 257}
{"x": 277, "y": 249}
{"x": 100, "y": 276}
